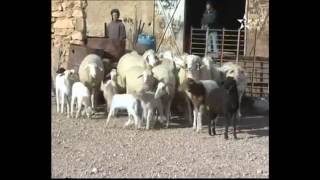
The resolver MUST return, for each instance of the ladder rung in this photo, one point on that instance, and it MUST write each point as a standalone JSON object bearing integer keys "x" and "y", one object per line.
{"x": 200, "y": 43}
{"x": 197, "y": 53}
{"x": 198, "y": 48}
{"x": 197, "y": 34}
{"x": 198, "y": 39}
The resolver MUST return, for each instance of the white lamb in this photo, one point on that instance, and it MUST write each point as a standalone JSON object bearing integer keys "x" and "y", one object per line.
{"x": 110, "y": 88}
{"x": 128, "y": 102}
{"x": 82, "y": 94}
{"x": 64, "y": 83}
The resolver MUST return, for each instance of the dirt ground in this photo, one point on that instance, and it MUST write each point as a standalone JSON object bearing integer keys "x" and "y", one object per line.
{"x": 83, "y": 148}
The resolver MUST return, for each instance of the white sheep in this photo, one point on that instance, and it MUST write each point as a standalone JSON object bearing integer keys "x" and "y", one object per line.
{"x": 237, "y": 72}
{"x": 81, "y": 94}
{"x": 129, "y": 60}
{"x": 91, "y": 73}
{"x": 64, "y": 81}
{"x": 110, "y": 88}
{"x": 128, "y": 102}
{"x": 165, "y": 72}
{"x": 178, "y": 60}
{"x": 150, "y": 102}
{"x": 134, "y": 80}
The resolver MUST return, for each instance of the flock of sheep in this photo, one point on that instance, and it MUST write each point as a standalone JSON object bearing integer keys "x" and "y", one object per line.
{"x": 146, "y": 85}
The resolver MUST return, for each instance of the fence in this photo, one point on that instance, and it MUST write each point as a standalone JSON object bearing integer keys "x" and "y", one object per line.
{"x": 232, "y": 48}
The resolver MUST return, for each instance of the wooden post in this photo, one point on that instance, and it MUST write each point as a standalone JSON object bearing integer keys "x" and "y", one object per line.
{"x": 222, "y": 47}
{"x": 254, "y": 61}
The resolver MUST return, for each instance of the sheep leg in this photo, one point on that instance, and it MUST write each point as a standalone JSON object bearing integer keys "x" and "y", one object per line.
{"x": 226, "y": 126}
{"x": 189, "y": 111}
{"x": 72, "y": 106}
{"x": 79, "y": 109}
{"x": 92, "y": 99}
{"x": 215, "y": 119}
{"x": 168, "y": 112}
{"x": 57, "y": 100}
{"x": 68, "y": 106}
{"x": 234, "y": 121}
{"x": 149, "y": 117}
{"x": 199, "y": 119}
{"x": 195, "y": 114}
{"x": 161, "y": 114}
{"x": 109, "y": 116}
{"x": 212, "y": 125}
{"x": 62, "y": 104}
{"x": 238, "y": 111}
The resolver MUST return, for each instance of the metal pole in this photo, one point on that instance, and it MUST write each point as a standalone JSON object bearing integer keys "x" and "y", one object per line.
{"x": 254, "y": 60}
{"x": 238, "y": 44}
{"x": 190, "y": 41}
{"x": 206, "y": 47}
{"x": 222, "y": 47}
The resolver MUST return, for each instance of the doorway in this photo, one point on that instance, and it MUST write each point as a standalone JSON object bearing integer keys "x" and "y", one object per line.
{"x": 228, "y": 11}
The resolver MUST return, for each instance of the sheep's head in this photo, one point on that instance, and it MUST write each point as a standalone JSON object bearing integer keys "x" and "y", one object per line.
{"x": 193, "y": 62}
{"x": 113, "y": 74}
{"x": 89, "y": 112}
{"x": 162, "y": 89}
{"x": 230, "y": 85}
{"x": 60, "y": 70}
{"x": 236, "y": 72}
{"x": 93, "y": 68}
{"x": 186, "y": 84}
{"x": 150, "y": 57}
{"x": 70, "y": 74}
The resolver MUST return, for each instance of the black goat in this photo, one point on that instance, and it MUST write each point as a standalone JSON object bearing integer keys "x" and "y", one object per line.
{"x": 223, "y": 101}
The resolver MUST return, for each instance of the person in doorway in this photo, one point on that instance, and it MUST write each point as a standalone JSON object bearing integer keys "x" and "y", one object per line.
{"x": 116, "y": 29}
{"x": 209, "y": 20}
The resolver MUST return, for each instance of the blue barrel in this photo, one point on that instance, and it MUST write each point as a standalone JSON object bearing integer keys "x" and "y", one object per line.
{"x": 147, "y": 40}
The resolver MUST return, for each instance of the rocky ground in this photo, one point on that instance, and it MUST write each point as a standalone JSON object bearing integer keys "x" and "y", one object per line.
{"x": 84, "y": 148}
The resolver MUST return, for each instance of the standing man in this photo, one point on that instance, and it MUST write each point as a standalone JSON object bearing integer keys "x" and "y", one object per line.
{"x": 116, "y": 29}
{"x": 209, "y": 20}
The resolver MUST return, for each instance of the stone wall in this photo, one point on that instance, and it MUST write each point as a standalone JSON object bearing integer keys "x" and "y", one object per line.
{"x": 67, "y": 26}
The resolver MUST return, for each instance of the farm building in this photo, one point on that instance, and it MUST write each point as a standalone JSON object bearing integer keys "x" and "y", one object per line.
{"x": 173, "y": 23}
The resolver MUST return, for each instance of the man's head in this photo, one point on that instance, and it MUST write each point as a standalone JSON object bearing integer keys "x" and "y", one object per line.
{"x": 209, "y": 5}
{"x": 115, "y": 13}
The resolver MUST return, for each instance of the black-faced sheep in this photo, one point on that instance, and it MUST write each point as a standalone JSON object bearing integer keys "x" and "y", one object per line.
{"x": 197, "y": 92}
{"x": 223, "y": 101}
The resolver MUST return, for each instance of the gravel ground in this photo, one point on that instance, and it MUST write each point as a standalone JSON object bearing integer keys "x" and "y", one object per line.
{"x": 83, "y": 148}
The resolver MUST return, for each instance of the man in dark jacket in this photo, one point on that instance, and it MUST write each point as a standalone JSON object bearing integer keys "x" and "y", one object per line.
{"x": 116, "y": 29}
{"x": 209, "y": 20}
